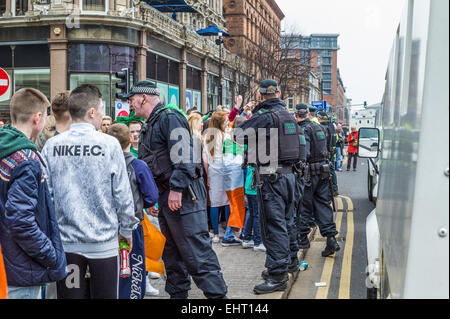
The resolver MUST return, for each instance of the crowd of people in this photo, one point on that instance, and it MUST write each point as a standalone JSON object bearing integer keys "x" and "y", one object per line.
{"x": 76, "y": 183}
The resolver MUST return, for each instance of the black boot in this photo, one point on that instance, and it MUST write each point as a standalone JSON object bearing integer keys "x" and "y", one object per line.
{"x": 332, "y": 247}
{"x": 272, "y": 284}
{"x": 304, "y": 242}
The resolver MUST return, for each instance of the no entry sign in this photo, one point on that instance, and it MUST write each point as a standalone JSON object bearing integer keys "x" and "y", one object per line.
{"x": 4, "y": 82}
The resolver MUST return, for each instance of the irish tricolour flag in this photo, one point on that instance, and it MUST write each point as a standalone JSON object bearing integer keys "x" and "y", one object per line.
{"x": 234, "y": 182}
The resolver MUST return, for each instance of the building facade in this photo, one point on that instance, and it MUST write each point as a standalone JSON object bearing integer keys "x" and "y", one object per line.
{"x": 56, "y": 45}
{"x": 320, "y": 52}
{"x": 255, "y": 29}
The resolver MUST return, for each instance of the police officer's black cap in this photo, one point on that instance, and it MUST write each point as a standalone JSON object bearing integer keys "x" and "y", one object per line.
{"x": 322, "y": 114}
{"x": 267, "y": 84}
{"x": 143, "y": 87}
{"x": 312, "y": 108}
{"x": 301, "y": 106}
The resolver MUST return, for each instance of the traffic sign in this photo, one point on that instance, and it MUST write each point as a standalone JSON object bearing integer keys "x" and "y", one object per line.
{"x": 319, "y": 104}
{"x": 4, "y": 82}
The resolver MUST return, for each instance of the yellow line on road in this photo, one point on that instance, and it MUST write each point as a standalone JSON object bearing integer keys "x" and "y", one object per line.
{"x": 344, "y": 286}
{"x": 339, "y": 203}
{"x": 349, "y": 203}
{"x": 322, "y": 292}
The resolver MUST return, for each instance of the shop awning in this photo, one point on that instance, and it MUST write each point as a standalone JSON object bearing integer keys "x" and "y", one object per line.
{"x": 212, "y": 30}
{"x": 170, "y": 5}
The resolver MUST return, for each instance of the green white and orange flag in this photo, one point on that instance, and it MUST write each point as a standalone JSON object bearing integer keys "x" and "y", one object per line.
{"x": 234, "y": 182}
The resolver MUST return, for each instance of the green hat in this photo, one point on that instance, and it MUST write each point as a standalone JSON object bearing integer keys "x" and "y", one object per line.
{"x": 301, "y": 106}
{"x": 266, "y": 84}
{"x": 143, "y": 87}
{"x": 322, "y": 113}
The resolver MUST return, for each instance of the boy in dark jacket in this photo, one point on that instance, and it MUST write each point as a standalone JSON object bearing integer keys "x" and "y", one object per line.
{"x": 145, "y": 195}
{"x": 29, "y": 233}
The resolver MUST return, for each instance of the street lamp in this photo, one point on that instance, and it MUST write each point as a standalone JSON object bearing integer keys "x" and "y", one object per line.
{"x": 219, "y": 42}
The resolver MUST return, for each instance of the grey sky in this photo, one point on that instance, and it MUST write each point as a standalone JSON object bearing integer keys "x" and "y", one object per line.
{"x": 366, "y": 28}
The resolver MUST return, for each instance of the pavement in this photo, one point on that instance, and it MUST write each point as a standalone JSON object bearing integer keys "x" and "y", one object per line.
{"x": 241, "y": 269}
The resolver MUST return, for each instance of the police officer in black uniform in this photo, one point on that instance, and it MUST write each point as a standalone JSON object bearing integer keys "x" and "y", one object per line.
{"x": 322, "y": 116}
{"x": 278, "y": 186}
{"x": 317, "y": 195}
{"x": 182, "y": 200}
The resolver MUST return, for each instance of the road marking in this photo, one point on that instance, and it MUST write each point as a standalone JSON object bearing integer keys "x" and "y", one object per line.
{"x": 339, "y": 204}
{"x": 344, "y": 286}
{"x": 349, "y": 203}
{"x": 322, "y": 292}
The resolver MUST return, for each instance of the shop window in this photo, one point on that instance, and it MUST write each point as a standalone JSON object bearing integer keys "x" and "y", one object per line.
{"x": 32, "y": 56}
{"x": 89, "y": 57}
{"x": 162, "y": 69}
{"x": 5, "y": 56}
{"x": 197, "y": 79}
{"x": 102, "y": 81}
{"x": 122, "y": 57}
{"x": 189, "y": 77}
{"x": 174, "y": 72}
{"x": 33, "y": 78}
{"x": 151, "y": 65}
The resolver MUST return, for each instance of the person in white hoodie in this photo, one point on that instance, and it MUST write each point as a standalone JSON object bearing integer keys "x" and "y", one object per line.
{"x": 89, "y": 185}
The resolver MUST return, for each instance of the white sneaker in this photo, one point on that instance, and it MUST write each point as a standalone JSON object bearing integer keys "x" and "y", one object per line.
{"x": 153, "y": 275}
{"x": 149, "y": 290}
{"x": 247, "y": 244}
{"x": 260, "y": 247}
{"x": 216, "y": 239}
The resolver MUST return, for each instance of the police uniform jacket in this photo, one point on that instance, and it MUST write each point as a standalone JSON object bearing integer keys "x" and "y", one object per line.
{"x": 159, "y": 137}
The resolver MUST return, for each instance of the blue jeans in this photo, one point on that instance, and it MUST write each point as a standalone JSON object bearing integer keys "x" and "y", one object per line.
{"x": 252, "y": 221}
{"x": 23, "y": 292}
{"x": 214, "y": 213}
{"x": 338, "y": 158}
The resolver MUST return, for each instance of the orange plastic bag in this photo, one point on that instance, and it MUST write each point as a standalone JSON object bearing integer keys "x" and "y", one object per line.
{"x": 154, "y": 242}
{"x": 3, "y": 282}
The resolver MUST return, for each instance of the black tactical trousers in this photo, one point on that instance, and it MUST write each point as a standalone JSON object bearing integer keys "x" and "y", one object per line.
{"x": 317, "y": 204}
{"x": 279, "y": 235}
{"x": 188, "y": 249}
{"x": 300, "y": 192}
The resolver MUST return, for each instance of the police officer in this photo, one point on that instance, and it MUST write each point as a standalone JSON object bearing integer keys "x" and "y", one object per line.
{"x": 312, "y": 114}
{"x": 182, "y": 200}
{"x": 317, "y": 195}
{"x": 322, "y": 116}
{"x": 278, "y": 187}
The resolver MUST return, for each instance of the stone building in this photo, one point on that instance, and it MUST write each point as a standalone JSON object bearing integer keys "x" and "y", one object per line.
{"x": 55, "y": 45}
{"x": 255, "y": 29}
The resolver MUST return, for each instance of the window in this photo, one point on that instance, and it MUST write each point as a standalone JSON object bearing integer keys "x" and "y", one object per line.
{"x": 162, "y": 69}
{"x": 89, "y": 57}
{"x": 95, "y": 6}
{"x": 5, "y": 56}
{"x": 33, "y": 78}
{"x": 20, "y": 7}
{"x": 102, "y": 81}
{"x": 3, "y": 6}
{"x": 290, "y": 102}
{"x": 40, "y": 56}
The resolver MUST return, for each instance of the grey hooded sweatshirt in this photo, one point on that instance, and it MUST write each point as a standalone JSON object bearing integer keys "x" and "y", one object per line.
{"x": 89, "y": 184}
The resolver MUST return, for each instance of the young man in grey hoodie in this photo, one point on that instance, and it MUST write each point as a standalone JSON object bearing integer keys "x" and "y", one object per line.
{"x": 93, "y": 201}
